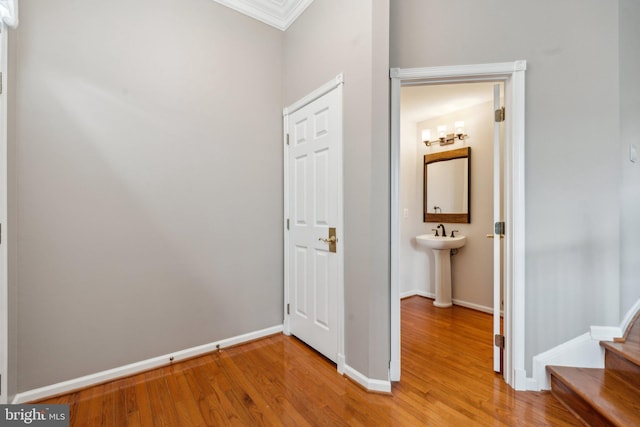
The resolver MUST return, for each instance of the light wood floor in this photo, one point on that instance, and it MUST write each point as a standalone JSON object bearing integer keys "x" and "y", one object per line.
{"x": 447, "y": 380}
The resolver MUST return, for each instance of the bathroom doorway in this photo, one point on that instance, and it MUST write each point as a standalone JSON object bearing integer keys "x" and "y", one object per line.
{"x": 427, "y": 112}
{"x": 407, "y": 202}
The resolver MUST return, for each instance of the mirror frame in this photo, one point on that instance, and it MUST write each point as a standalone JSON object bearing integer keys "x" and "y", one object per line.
{"x": 459, "y": 153}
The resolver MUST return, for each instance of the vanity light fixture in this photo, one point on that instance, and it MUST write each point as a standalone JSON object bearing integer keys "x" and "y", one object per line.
{"x": 445, "y": 138}
{"x": 426, "y": 136}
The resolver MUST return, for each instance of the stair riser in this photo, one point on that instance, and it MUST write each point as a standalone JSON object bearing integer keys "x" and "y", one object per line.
{"x": 576, "y": 404}
{"x": 623, "y": 367}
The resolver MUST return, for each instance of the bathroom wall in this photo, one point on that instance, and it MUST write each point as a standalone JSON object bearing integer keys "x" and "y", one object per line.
{"x": 148, "y": 176}
{"x": 472, "y": 266}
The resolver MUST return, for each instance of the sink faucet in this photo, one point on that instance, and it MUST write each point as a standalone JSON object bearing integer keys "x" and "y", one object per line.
{"x": 444, "y": 233}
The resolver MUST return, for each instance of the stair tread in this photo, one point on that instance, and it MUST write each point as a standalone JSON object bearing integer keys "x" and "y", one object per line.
{"x": 609, "y": 394}
{"x": 629, "y": 350}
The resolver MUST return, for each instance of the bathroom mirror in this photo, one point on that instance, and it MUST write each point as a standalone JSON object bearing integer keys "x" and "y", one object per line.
{"x": 447, "y": 186}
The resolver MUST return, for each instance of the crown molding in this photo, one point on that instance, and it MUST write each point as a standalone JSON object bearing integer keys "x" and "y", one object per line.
{"x": 277, "y": 13}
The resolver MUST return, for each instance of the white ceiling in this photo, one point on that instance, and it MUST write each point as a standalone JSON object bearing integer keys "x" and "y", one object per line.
{"x": 277, "y": 13}
{"x": 418, "y": 103}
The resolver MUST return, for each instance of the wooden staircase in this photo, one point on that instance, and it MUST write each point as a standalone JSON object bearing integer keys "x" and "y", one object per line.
{"x": 609, "y": 396}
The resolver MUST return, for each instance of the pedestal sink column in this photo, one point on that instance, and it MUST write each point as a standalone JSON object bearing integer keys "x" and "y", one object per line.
{"x": 441, "y": 246}
{"x": 443, "y": 277}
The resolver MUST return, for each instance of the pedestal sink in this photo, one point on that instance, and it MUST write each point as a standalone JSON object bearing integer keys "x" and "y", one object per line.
{"x": 441, "y": 247}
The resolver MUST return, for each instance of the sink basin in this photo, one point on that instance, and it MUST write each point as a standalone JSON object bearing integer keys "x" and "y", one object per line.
{"x": 440, "y": 242}
{"x": 441, "y": 247}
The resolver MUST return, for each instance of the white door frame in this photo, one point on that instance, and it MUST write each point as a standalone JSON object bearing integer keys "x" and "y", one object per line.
{"x": 333, "y": 84}
{"x": 512, "y": 74}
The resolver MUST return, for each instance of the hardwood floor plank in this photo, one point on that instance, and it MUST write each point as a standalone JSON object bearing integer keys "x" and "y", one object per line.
{"x": 447, "y": 380}
{"x": 108, "y": 401}
{"x": 143, "y": 404}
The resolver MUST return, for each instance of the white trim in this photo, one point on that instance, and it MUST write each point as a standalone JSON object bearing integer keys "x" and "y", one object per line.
{"x": 582, "y": 351}
{"x": 342, "y": 363}
{"x": 515, "y": 224}
{"x": 269, "y": 12}
{"x": 606, "y": 333}
{"x": 337, "y": 84}
{"x": 512, "y": 74}
{"x": 134, "y": 368}
{"x": 477, "y": 307}
{"x": 428, "y": 74}
{"x": 380, "y": 386}
{"x": 318, "y": 93}
{"x": 394, "y": 362}
{"x": 416, "y": 292}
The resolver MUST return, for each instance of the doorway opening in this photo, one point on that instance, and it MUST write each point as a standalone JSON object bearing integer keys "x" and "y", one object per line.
{"x": 512, "y": 76}
{"x": 438, "y": 186}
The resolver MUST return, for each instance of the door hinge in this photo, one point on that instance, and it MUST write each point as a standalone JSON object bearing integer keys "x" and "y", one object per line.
{"x": 287, "y": 139}
{"x": 288, "y": 308}
{"x": 287, "y": 223}
{"x": 499, "y": 228}
{"x": 499, "y": 114}
{"x": 499, "y": 340}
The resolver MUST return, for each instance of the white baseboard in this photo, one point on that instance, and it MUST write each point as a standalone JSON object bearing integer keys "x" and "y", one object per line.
{"x": 134, "y": 368}
{"x": 582, "y": 351}
{"x": 341, "y": 364}
{"x": 417, "y": 292}
{"x": 459, "y": 302}
{"x": 473, "y": 306}
{"x": 369, "y": 384}
{"x": 394, "y": 370}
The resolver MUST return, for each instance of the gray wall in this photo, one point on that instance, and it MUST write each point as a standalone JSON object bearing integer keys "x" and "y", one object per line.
{"x": 630, "y": 134}
{"x": 12, "y": 226}
{"x": 572, "y": 146}
{"x": 356, "y": 45}
{"x": 148, "y": 177}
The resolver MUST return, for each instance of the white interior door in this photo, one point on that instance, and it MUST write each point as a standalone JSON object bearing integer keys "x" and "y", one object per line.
{"x": 498, "y": 348}
{"x": 314, "y": 257}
